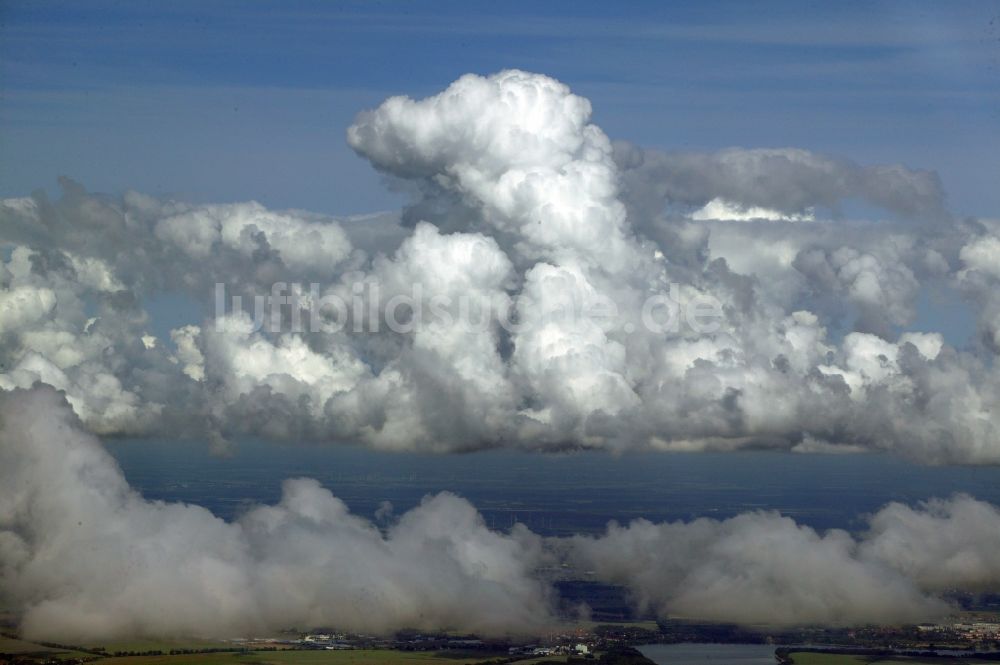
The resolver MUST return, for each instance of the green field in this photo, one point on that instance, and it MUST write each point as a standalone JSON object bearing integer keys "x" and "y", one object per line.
{"x": 809, "y": 658}
{"x": 303, "y": 657}
{"x": 10, "y": 645}
{"x": 591, "y": 625}
{"x": 20, "y": 647}
{"x": 542, "y": 659}
{"x": 141, "y": 645}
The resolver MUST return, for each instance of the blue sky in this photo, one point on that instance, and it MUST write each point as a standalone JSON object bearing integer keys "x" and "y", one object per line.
{"x": 250, "y": 101}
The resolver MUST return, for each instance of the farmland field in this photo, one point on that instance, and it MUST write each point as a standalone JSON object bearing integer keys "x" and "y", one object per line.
{"x": 302, "y": 657}
{"x": 15, "y": 646}
{"x": 809, "y": 658}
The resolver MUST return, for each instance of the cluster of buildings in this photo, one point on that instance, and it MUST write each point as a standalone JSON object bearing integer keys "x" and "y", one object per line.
{"x": 413, "y": 642}
{"x": 578, "y": 649}
{"x": 972, "y": 631}
{"x": 326, "y": 641}
{"x": 561, "y": 645}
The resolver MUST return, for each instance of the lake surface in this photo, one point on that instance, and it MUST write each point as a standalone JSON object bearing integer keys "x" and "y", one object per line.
{"x": 552, "y": 494}
{"x": 710, "y": 654}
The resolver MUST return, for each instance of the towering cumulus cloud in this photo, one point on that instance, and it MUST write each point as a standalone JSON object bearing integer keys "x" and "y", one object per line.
{"x": 84, "y": 557}
{"x": 518, "y": 149}
{"x": 551, "y": 290}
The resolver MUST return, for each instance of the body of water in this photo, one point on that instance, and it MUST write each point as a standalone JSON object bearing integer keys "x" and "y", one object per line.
{"x": 552, "y": 494}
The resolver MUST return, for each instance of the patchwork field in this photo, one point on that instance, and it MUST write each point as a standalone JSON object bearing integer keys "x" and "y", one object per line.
{"x": 16, "y": 647}
{"x": 810, "y": 658}
{"x": 10, "y": 645}
{"x": 301, "y": 657}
